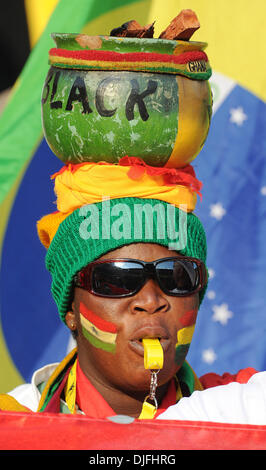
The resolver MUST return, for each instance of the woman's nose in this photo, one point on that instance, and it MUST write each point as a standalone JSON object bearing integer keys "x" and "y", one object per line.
{"x": 149, "y": 299}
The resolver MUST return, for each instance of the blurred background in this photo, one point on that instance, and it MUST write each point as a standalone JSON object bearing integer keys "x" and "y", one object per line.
{"x": 231, "y": 325}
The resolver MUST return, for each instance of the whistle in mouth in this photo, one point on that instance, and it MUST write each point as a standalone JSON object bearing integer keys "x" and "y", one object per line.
{"x": 153, "y": 353}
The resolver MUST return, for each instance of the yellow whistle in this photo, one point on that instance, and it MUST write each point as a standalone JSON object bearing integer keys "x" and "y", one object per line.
{"x": 153, "y": 353}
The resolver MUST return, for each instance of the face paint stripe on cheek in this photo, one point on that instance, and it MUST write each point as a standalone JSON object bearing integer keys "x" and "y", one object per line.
{"x": 184, "y": 338}
{"x": 100, "y": 323}
{"x": 104, "y": 336}
{"x": 180, "y": 353}
{"x": 97, "y": 343}
{"x": 97, "y": 331}
{"x": 189, "y": 318}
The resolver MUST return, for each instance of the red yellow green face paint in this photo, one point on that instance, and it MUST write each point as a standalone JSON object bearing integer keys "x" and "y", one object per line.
{"x": 189, "y": 318}
{"x": 100, "y": 333}
{"x": 184, "y": 336}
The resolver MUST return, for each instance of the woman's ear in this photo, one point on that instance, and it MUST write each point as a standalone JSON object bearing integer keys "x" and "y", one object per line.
{"x": 71, "y": 319}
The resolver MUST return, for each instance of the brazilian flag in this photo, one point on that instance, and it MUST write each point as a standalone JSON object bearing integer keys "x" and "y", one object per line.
{"x": 229, "y": 333}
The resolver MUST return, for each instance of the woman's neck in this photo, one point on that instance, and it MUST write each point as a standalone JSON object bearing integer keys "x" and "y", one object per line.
{"x": 125, "y": 402}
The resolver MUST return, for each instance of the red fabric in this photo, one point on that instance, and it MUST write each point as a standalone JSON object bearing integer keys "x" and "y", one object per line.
{"x": 89, "y": 400}
{"x": 172, "y": 176}
{"x": 213, "y": 380}
{"x": 45, "y": 431}
{"x": 111, "y": 56}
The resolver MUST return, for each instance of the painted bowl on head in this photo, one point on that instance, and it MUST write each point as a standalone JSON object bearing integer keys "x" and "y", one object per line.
{"x": 107, "y": 97}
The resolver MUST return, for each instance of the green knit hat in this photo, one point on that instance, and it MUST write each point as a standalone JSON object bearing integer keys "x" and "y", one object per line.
{"x": 95, "y": 229}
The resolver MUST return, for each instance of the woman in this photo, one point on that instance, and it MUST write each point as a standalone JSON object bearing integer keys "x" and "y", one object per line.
{"x": 111, "y": 300}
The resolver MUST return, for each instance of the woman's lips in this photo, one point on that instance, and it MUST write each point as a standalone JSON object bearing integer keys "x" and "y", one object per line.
{"x": 136, "y": 345}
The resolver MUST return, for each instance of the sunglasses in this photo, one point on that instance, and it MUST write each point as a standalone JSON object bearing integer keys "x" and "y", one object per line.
{"x": 118, "y": 278}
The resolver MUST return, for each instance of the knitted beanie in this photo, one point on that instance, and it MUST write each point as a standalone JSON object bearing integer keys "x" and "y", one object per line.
{"x": 95, "y": 229}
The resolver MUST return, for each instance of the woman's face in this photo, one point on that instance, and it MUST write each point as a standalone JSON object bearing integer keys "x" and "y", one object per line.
{"x": 148, "y": 314}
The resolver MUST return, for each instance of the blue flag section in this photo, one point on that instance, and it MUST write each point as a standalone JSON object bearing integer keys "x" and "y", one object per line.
{"x": 231, "y": 325}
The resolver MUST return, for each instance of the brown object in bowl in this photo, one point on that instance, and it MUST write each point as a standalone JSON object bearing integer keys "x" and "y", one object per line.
{"x": 182, "y": 26}
{"x": 132, "y": 29}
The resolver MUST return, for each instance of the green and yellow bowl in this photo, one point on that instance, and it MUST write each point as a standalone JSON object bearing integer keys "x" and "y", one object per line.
{"x": 107, "y": 97}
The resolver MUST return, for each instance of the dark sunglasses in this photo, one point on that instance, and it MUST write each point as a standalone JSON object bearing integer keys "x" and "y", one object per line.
{"x": 125, "y": 277}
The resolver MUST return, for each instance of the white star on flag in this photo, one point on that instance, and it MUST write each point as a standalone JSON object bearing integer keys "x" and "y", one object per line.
{"x": 217, "y": 211}
{"x": 211, "y": 273}
{"x": 221, "y": 313}
{"x": 221, "y": 87}
{"x": 237, "y": 116}
{"x": 263, "y": 190}
{"x": 209, "y": 356}
{"x": 211, "y": 294}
